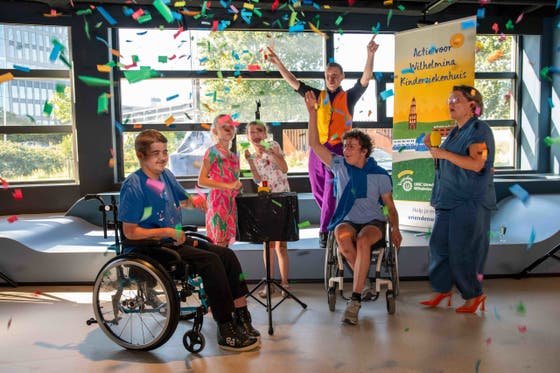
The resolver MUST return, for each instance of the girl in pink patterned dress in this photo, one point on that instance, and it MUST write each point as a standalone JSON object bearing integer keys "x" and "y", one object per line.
{"x": 268, "y": 164}
{"x": 220, "y": 173}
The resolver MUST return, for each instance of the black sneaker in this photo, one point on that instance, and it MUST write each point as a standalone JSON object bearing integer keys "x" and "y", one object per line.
{"x": 232, "y": 339}
{"x": 323, "y": 237}
{"x": 242, "y": 318}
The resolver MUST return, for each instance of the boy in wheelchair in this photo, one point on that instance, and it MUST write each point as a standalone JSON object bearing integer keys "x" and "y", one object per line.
{"x": 358, "y": 221}
{"x": 154, "y": 189}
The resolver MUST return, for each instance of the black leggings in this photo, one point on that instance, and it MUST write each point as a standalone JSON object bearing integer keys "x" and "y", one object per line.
{"x": 221, "y": 274}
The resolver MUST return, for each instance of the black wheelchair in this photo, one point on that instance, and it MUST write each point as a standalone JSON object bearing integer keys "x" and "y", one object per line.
{"x": 139, "y": 297}
{"x": 383, "y": 272}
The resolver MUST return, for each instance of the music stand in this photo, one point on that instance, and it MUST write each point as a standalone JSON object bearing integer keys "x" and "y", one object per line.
{"x": 266, "y": 217}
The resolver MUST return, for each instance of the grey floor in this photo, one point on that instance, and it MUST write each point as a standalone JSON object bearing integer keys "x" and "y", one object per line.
{"x": 43, "y": 329}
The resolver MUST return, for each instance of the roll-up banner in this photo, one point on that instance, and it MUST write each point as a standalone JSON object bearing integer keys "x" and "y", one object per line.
{"x": 429, "y": 61}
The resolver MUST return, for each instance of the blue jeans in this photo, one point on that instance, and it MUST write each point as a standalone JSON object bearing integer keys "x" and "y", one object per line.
{"x": 455, "y": 252}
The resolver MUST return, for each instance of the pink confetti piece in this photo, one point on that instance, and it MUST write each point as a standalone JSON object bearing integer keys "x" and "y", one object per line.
{"x": 253, "y": 67}
{"x": 180, "y": 30}
{"x": 480, "y": 277}
{"x": 519, "y": 18}
{"x": 12, "y": 219}
{"x": 5, "y": 184}
{"x": 522, "y": 329}
{"x": 496, "y": 28}
{"x": 17, "y": 194}
{"x": 488, "y": 341}
{"x": 156, "y": 185}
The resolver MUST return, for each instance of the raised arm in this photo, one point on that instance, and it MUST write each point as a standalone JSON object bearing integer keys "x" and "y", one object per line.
{"x": 322, "y": 152}
{"x": 368, "y": 69}
{"x": 286, "y": 74}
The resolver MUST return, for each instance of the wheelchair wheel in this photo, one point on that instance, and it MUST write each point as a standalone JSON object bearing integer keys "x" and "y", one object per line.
{"x": 391, "y": 305}
{"x": 393, "y": 269}
{"x": 135, "y": 302}
{"x": 331, "y": 295}
{"x": 330, "y": 260}
{"x": 193, "y": 341}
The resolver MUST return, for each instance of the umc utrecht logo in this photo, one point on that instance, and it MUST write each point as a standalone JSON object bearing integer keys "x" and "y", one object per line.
{"x": 405, "y": 180}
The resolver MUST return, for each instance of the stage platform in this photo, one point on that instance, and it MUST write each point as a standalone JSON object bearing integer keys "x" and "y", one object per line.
{"x": 70, "y": 248}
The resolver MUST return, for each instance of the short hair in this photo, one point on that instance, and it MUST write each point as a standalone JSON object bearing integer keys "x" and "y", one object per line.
{"x": 334, "y": 64}
{"x": 362, "y": 137}
{"x": 257, "y": 123}
{"x": 146, "y": 138}
{"x": 471, "y": 94}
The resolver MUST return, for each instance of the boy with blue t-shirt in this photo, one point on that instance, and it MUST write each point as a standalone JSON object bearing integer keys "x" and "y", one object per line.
{"x": 149, "y": 208}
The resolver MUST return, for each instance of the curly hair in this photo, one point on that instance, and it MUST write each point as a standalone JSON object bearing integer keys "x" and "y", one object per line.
{"x": 362, "y": 137}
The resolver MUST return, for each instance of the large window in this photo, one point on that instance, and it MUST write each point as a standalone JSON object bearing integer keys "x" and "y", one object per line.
{"x": 36, "y": 121}
{"x": 197, "y": 75}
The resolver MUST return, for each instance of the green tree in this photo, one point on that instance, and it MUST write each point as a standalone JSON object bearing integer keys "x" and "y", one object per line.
{"x": 236, "y": 51}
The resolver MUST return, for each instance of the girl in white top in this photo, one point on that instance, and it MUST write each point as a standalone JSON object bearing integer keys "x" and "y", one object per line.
{"x": 268, "y": 164}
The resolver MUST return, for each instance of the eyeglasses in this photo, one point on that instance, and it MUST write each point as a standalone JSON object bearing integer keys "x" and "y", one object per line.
{"x": 453, "y": 100}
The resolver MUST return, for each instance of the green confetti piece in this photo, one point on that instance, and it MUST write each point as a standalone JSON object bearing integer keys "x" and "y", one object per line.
{"x": 338, "y": 20}
{"x": 242, "y": 276}
{"x": 477, "y": 365}
{"x": 103, "y": 103}
{"x": 30, "y": 118}
{"x": 162, "y": 59}
{"x": 60, "y": 88}
{"x": 385, "y": 211}
{"x": 276, "y": 203}
{"x": 406, "y": 329}
{"x": 84, "y": 12}
{"x": 220, "y": 75}
{"x": 145, "y": 18}
{"x": 401, "y": 8}
{"x": 520, "y": 308}
{"x": 95, "y": 82}
{"x": 265, "y": 144}
{"x": 47, "y": 108}
{"x": 244, "y": 145}
{"x": 335, "y": 136}
{"x": 147, "y": 213}
{"x": 304, "y": 224}
{"x": 402, "y": 148}
{"x": 178, "y": 230}
{"x": 247, "y": 174}
{"x": 135, "y": 58}
{"x": 509, "y": 25}
{"x": 549, "y": 141}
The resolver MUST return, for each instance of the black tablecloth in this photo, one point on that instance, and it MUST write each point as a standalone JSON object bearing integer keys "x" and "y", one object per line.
{"x": 267, "y": 217}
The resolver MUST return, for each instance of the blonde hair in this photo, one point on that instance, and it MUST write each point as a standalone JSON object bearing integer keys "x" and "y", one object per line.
{"x": 258, "y": 123}
{"x": 214, "y": 127}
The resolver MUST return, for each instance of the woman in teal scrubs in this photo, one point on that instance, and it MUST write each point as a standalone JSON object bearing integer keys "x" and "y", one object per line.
{"x": 463, "y": 197}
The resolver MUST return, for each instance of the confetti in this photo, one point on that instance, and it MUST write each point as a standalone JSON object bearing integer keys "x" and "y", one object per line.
{"x": 479, "y": 277}
{"x": 520, "y": 308}
{"x": 12, "y": 219}
{"x": 386, "y": 94}
{"x": 551, "y": 140}
{"x": 488, "y": 341}
{"x": 402, "y": 148}
{"x": 17, "y": 194}
{"x": 9, "y": 323}
{"x": 147, "y": 213}
{"x": 155, "y": 185}
{"x": 276, "y": 203}
{"x": 522, "y": 329}
{"x": 477, "y": 365}
{"x": 304, "y": 224}
{"x": 496, "y": 314}
{"x": 519, "y": 192}
{"x": 531, "y": 238}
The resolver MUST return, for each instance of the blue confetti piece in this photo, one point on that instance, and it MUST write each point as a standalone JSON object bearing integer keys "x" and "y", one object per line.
{"x": 103, "y": 40}
{"x": 106, "y": 15}
{"x": 468, "y": 24}
{"x": 519, "y": 192}
{"x": 550, "y": 103}
{"x": 119, "y": 127}
{"x": 496, "y": 314}
{"x": 172, "y": 97}
{"x": 386, "y": 94}
{"x": 481, "y": 13}
{"x": 378, "y": 75}
{"x": 55, "y": 52}
{"x": 22, "y": 68}
{"x": 128, "y": 11}
{"x": 531, "y": 238}
{"x": 142, "y": 33}
{"x": 420, "y": 139}
{"x": 298, "y": 27}
{"x": 331, "y": 59}
{"x": 275, "y": 124}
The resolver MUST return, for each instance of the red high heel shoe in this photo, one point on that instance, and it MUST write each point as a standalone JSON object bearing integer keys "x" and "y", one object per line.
{"x": 437, "y": 299}
{"x": 478, "y": 301}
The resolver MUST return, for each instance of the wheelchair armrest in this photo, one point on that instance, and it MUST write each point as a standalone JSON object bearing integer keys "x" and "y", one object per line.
{"x": 141, "y": 243}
